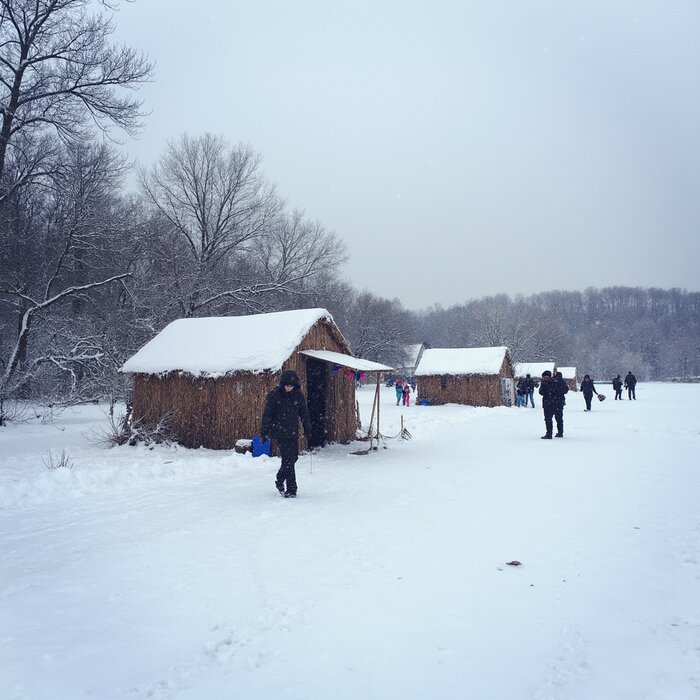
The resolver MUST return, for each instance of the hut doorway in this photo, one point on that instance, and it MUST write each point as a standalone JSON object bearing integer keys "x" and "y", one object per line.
{"x": 316, "y": 388}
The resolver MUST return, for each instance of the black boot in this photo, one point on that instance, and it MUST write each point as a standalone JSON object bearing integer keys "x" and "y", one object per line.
{"x": 546, "y": 437}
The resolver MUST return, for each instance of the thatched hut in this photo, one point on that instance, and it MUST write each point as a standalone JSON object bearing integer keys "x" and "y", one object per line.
{"x": 534, "y": 369}
{"x": 471, "y": 376}
{"x": 569, "y": 375}
{"x": 413, "y": 355}
{"x": 210, "y": 376}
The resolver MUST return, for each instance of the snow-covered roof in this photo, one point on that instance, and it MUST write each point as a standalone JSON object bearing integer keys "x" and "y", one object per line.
{"x": 215, "y": 346}
{"x": 339, "y": 358}
{"x": 413, "y": 354}
{"x": 567, "y": 372}
{"x": 460, "y": 361}
{"x": 534, "y": 369}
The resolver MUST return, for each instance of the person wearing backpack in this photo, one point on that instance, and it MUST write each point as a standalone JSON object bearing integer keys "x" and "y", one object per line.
{"x": 617, "y": 386}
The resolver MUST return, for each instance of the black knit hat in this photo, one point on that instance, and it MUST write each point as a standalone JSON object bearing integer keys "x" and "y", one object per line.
{"x": 546, "y": 373}
{"x": 290, "y": 377}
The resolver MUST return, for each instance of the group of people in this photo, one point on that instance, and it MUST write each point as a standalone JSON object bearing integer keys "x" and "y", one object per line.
{"x": 525, "y": 391}
{"x": 630, "y": 384}
{"x": 285, "y": 407}
{"x": 403, "y": 392}
{"x": 554, "y": 389}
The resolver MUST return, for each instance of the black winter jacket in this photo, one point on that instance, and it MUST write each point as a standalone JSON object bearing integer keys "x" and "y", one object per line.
{"x": 588, "y": 388}
{"x": 630, "y": 380}
{"x": 553, "y": 392}
{"x": 283, "y": 409}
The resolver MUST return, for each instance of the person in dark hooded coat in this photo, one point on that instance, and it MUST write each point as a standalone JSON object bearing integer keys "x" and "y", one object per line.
{"x": 553, "y": 391}
{"x": 588, "y": 389}
{"x": 285, "y": 405}
{"x": 617, "y": 386}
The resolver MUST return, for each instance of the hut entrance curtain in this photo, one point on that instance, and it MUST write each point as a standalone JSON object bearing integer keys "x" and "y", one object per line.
{"x": 317, "y": 389}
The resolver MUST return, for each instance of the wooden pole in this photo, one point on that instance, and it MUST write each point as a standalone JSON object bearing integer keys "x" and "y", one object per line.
{"x": 379, "y": 386}
{"x": 371, "y": 420}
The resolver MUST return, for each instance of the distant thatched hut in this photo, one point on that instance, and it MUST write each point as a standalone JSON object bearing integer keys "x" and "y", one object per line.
{"x": 569, "y": 375}
{"x": 413, "y": 356}
{"x": 210, "y": 376}
{"x": 534, "y": 369}
{"x": 471, "y": 376}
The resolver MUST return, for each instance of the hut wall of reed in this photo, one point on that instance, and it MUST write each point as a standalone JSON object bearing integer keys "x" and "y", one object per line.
{"x": 470, "y": 390}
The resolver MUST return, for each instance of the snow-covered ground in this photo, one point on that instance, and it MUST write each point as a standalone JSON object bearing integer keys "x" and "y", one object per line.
{"x": 174, "y": 573}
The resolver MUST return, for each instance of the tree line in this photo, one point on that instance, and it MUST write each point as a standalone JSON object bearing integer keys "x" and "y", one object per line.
{"x": 90, "y": 270}
{"x": 602, "y": 332}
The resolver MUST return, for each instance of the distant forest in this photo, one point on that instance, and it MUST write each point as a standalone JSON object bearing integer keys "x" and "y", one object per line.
{"x": 603, "y": 332}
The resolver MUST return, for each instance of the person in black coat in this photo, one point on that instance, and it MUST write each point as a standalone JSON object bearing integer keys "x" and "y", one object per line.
{"x": 617, "y": 386}
{"x": 553, "y": 391}
{"x": 529, "y": 390}
{"x": 630, "y": 384}
{"x": 588, "y": 389}
{"x": 285, "y": 405}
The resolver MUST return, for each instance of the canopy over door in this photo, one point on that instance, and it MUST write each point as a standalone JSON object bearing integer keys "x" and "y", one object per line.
{"x": 340, "y": 358}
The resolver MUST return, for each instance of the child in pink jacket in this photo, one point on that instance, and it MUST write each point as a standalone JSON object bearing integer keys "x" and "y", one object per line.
{"x": 407, "y": 394}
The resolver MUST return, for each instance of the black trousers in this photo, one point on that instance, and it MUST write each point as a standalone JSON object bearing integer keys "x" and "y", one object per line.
{"x": 630, "y": 393}
{"x": 588, "y": 399}
{"x": 289, "y": 450}
{"x": 618, "y": 394}
{"x": 558, "y": 415}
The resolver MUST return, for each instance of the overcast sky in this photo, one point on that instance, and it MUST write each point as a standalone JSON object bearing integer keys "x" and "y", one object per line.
{"x": 458, "y": 148}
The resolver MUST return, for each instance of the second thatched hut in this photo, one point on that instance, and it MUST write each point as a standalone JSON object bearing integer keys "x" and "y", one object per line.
{"x": 471, "y": 376}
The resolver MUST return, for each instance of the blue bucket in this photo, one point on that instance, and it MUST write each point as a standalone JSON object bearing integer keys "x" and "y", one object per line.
{"x": 260, "y": 447}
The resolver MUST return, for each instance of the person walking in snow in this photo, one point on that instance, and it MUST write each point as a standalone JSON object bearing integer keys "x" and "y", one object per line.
{"x": 588, "y": 389}
{"x": 520, "y": 393}
{"x": 406, "y": 394}
{"x": 529, "y": 390}
{"x": 630, "y": 384}
{"x": 617, "y": 386}
{"x": 399, "y": 391}
{"x": 553, "y": 391}
{"x": 285, "y": 405}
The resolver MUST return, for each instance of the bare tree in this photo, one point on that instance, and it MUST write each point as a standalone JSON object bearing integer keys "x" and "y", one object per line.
{"x": 58, "y": 72}
{"x": 238, "y": 251}
{"x": 379, "y": 329}
{"x": 212, "y": 194}
{"x": 62, "y": 244}
{"x": 500, "y": 321}
{"x": 295, "y": 248}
